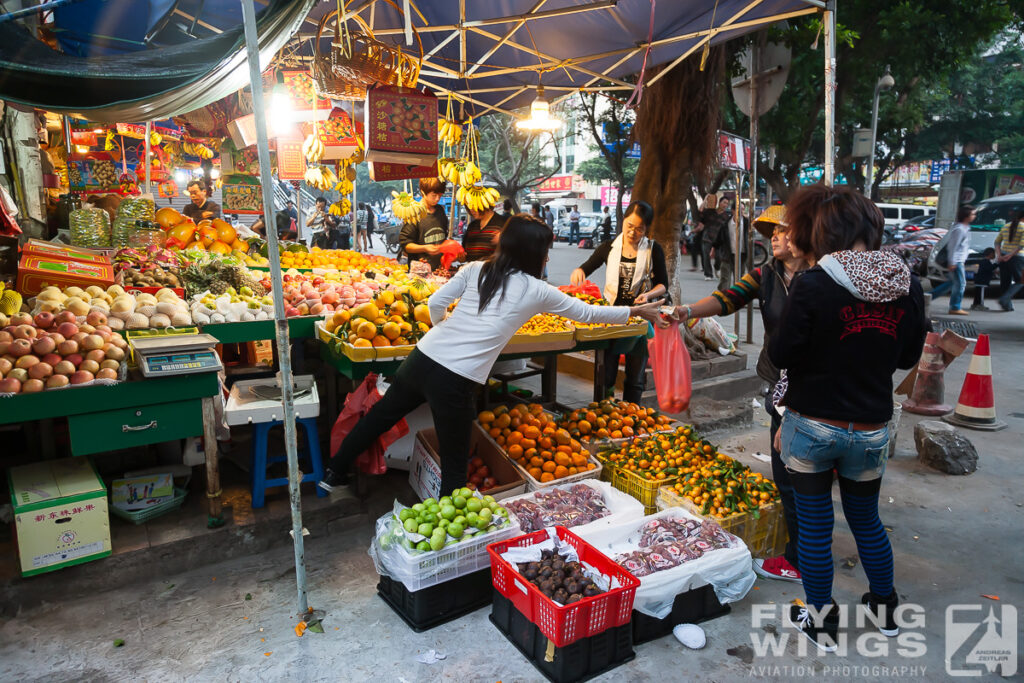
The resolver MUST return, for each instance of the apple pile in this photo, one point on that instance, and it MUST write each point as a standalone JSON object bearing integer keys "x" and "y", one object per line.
{"x": 51, "y": 351}
{"x": 479, "y": 476}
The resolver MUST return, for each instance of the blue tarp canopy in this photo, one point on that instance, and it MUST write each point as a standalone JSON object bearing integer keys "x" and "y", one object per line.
{"x": 491, "y": 53}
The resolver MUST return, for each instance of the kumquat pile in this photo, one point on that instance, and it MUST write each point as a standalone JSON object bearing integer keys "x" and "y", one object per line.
{"x": 723, "y": 487}
{"x": 611, "y": 419}
{"x": 533, "y": 440}
{"x": 545, "y": 323}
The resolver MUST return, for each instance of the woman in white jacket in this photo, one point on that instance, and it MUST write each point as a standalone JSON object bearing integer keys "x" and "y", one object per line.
{"x": 452, "y": 361}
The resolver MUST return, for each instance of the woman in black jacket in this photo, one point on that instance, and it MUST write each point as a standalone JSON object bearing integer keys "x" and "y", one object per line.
{"x": 769, "y": 285}
{"x": 852, "y": 319}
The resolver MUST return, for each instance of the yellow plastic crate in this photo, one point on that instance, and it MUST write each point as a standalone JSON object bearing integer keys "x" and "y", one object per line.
{"x": 644, "y": 490}
{"x": 765, "y": 534}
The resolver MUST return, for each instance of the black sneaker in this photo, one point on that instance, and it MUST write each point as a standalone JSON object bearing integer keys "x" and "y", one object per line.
{"x": 332, "y": 481}
{"x": 980, "y": 307}
{"x": 884, "y": 610}
{"x": 824, "y": 632}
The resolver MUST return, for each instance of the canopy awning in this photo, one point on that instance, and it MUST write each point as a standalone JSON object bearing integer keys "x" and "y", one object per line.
{"x": 493, "y": 53}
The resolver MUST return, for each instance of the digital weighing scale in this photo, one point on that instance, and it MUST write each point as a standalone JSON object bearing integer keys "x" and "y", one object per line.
{"x": 176, "y": 354}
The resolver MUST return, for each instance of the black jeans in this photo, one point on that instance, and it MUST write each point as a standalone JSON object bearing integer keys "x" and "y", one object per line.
{"x": 705, "y": 250}
{"x": 420, "y": 380}
{"x": 785, "y": 486}
{"x": 634, "y": 383}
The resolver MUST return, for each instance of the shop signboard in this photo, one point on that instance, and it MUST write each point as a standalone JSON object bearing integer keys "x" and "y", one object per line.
{"x": 733, "y": 152}
{"x": 92, "y": 172}
{"x": 609, "y": 195}
{"x": 400, "y": 126}
{"x": 291, "y": 163}
{"x": 556, "y": 183}
{"x": 382, "y": 171}
{"x": 242, "y": 194}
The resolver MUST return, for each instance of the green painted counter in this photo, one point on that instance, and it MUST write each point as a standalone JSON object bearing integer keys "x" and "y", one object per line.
{"x": 256, "y": 330}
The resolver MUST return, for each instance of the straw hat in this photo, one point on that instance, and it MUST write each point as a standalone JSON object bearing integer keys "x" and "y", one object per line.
{"x": 772, "y": 216}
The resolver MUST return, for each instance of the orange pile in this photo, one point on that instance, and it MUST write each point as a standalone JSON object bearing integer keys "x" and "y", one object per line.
{"x": 532, "y": 439}
{"x": 340, "y": 259}
{"x": 611, "y": 419}
{"x": 545, "y": 323}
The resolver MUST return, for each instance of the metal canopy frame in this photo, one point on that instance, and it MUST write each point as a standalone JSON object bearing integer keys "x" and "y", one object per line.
{"x": 501, "y": 32}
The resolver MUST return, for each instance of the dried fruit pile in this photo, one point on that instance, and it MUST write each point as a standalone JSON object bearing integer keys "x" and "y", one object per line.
{"x": 570, "y": 507}
{"x": 666, "y": 543}
{"x": 558, "y": 578}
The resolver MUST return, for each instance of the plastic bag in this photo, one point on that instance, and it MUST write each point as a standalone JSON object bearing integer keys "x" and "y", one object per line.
{"x": 450, "y": 250}
{"x": 588, "y": 288}
{"x": 357, "y": 404}
{"x": 671, "y": 363}
{"x": 711, "y": 332}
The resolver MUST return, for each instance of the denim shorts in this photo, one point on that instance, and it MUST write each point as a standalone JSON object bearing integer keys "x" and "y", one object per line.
{"x": 811, "y": 447}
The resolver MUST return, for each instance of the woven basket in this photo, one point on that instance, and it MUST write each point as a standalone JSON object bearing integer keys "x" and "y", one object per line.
{"x": 361, "y": 62}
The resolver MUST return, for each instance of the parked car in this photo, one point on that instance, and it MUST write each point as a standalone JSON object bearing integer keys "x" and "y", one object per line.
{"x": 895, "y": 214}
{"x": 992, "y": 214}
{"x": 590, "y": 227}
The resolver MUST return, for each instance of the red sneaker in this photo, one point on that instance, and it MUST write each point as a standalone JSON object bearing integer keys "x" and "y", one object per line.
{"x": 777, "y": 568}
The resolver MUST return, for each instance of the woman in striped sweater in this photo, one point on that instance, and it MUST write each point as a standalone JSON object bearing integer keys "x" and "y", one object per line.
{"x": 769, "y": 285}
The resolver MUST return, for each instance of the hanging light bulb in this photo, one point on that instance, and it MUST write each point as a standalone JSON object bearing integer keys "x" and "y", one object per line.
{"x": 540, "y": 115}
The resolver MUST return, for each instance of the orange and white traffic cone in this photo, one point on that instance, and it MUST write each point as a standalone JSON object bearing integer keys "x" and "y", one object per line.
{"x": 929, "y": 388}
{"x": 976, "y": 407}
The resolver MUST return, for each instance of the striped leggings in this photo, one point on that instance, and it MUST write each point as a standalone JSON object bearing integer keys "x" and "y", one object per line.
{"x": 813, "y": 493}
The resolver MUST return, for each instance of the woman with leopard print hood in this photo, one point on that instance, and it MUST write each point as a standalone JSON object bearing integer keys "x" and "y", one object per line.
{"x": 851, "y": 320}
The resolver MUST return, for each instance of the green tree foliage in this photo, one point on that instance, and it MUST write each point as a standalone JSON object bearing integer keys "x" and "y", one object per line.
{"x": 612, "y": 117}
{"x": 922, "y": 41}
{"x": 514, "y": 160}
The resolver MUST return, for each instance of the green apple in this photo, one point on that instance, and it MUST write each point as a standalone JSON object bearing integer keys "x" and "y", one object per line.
{"x": 466, "y": 493}
{"x": 443, "y": 524}
{"x": 447, "y": 500}
{"x": 489, "y": 500}
{"x": 474, "y": 505}
{"x": 455, "y": 530}
{"x": 460, "y": 519}
{"x": 428, "y": 502}
{"x": 411, "y": 525}
{"x": 459, "y": 502}
{"x": 448, "y": 512}
{"x": 425, "y": 529}
{"x": 423, "y": 545}
{"x": 437, "y": 542}
{"x": 419, "y": 507}
{"x": 486, "y": 514}
{"x": 429, "y": 518}
{"x": 406, "y": 514}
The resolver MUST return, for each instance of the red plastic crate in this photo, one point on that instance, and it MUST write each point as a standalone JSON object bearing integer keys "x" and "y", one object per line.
{"x": 565, "y": 625}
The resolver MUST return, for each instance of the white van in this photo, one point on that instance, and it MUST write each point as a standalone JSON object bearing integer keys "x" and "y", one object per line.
{"x": 897, "y": 214}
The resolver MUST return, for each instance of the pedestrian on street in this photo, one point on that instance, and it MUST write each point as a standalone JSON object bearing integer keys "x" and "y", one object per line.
{"x": 958, "y": 246}
{"x": 320, "y": 224}
{"x": 574, "y": 225}
{"x": 549, "y": 218}
{"x": 635, "y": 273}
{"x": 722, "y": 247}
{"x": 852, "y": 319}
{"x": 453, "y": 360}
{"x": 769, "y": 285}
{"x": 983, "y": 278}
{"x": 1009, "y": 244}
{"x": 710, "y": 225}
{"x": 606, "y": 225}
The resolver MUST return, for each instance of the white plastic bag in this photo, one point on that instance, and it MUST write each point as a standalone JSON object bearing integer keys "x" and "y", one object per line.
{"x": 711, "y": 332}
{"x": 728, "y": 570}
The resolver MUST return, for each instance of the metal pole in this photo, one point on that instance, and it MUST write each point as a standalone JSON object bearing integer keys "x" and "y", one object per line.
{"x": 738, "y": 256}
{"x": 830, "y": 92}
{"x": 285, "y": 375}
{"x": 755, "y": 122}
{"x": 67, "y": 134}
{"x": 149, "y": 128}
{"x": 871, "y": 155}
{"x": 355, "y": 206}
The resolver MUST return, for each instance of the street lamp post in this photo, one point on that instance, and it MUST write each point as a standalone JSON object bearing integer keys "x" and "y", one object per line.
{"x": 884, "y": 83}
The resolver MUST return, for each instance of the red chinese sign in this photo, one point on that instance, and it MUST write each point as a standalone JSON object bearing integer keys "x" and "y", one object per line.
{"x": 400, "y": 126}
{"x": 291, "y": 164}
{"x": 380, "y": 172}
{"x": 557, "y": 183}
{"x": 302, "y": 95}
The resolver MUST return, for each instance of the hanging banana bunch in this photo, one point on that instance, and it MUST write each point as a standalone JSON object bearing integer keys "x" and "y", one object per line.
{"x": 343, "y": 186}
{"x": 467, "y": 174}
{"x": 312, "y": 147}
{"x": 449, "y": 132}
{"x": 320, "y": 177}
{"x": 155, "y": 138}
{"x": 340, "y": 208}
{"x": 405, "y": 207}
{"x": 108, "y": 142}
{"x": 198, "y": 149}
{"x": 477, "y": 198}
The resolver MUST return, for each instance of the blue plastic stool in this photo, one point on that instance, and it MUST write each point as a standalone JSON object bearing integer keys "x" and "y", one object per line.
{"x": 259, "y": 459}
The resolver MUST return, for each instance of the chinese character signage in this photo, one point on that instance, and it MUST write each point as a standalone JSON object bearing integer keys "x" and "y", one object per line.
{"x": 306, "y": 106}
{"x": 610, "y": 194}
{"x": 291, "y": 163}
{"x": 556, "y": 183}
{"x": 400, "y": 126}
{"x": 242, "y": 194}
{"x": 380, "y": 172}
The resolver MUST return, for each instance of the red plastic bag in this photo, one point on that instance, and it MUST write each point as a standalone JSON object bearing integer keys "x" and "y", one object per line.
{"x": 671, "y": 364}
{"x": 450, "y": 250}
{"x": 357, "y": 404}
{"x": 588, "y": 288}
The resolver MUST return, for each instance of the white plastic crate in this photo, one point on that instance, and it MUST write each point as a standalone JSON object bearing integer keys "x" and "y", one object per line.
{"x": 244, "y": 408}
{"x": 418, "y": 570}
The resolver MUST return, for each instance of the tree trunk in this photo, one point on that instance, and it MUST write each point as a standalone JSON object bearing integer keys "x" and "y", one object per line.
{"x": 677, "y": 124}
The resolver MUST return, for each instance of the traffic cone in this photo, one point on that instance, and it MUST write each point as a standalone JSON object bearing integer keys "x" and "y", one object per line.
{"x": 929, "y": 388}
{"x": 976, "y": 408}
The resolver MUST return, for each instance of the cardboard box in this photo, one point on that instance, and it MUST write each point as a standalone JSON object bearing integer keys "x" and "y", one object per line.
{"x": 38, "y": 272}
{"x": 139, "y": 493}
{"x": 63, "y": 252}
{"x": 379, "y": 172}
{"x": 60, "y": 514}
{"x": 400, "y": 126}
{"x": 425, "y": 469}
{"x": 338, "y": 135}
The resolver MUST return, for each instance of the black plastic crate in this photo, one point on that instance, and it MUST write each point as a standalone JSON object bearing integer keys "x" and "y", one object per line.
{"x": 692, "y": 607}
{"x": 580, "y": 661}
{"x": 429, "y": 607}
